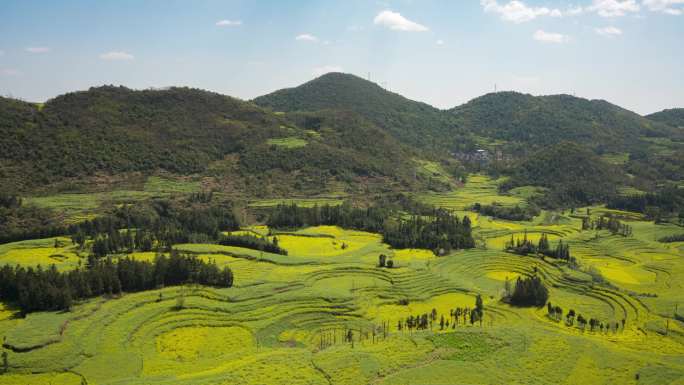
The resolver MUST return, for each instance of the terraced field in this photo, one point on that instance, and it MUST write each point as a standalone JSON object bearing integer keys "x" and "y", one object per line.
{"x": 286, "y": 318}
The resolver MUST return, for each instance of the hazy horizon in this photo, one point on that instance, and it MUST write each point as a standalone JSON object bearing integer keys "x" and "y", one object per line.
{"x": 444, "y": 54}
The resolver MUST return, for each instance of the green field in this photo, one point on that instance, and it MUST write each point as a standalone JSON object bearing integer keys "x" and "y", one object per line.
{"x": 285, "y": 319}
{"x": 288, "y": 142}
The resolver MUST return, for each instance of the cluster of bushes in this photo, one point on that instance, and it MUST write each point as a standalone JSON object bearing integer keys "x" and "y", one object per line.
{"x": 38, "y": 289}
{"x": 515, "y": 213}
{"x": 253, "y": 242}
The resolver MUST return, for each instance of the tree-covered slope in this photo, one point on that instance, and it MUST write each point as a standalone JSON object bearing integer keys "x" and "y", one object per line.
{"x": 572, "y": 173}
{"x": 674, "y": 117}
{"x": 412, "y": 122}
{"x": 114, "y": 130}
{"x": 543, "y": 120}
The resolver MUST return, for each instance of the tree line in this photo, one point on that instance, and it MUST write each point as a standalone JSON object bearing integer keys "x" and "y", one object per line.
{"x": 666, "y": 201}
{"x": 440, "y": 231}
{"x": 155, "y": 225}
{"x": 515, "y": 213}
{"x": 571, "y": 318}
{"x": 38, "y": 289}
{"x": 253, "y": 242}
{"x": 525, "y": 246}
{"x": 607, "y": 222}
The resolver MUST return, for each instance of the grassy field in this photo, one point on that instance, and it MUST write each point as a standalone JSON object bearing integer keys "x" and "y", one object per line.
{"x": 285, "y": 319}
{"x": 288, "y": 142}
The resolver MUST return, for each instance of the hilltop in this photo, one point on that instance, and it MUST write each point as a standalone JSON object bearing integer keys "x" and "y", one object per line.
{"x": 543, "y": 120}
{"x": 412, "y": 122}
{"x": 672, "y": 116}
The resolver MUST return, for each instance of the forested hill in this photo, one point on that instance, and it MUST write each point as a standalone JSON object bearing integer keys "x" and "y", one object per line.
{"x": 543, "y": 120}
{"x": 113, "y": 130}
{"x": 673, "y": 117}
{"x": 572, "y": 174}
{"x": 412, "y": 122}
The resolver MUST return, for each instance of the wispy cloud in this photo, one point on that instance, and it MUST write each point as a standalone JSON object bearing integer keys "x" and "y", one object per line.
{"x": 614, "y": 8}
{"x": 608, "y": 31}
{"x": 550, "y": 37}
{"x": 517, "y": 11}
{"x": 396, "y": 22}
{"x": 117, "y": 55}
{"x": 229, "y": 23}
{"x": 439, "y": 42}
{"x": 37, "y": 49}
{"x": 307, "y": 37}
{"x": 9, "y": 72}
{"x": 318, "y": 71}
{"x": 670, "y": 7}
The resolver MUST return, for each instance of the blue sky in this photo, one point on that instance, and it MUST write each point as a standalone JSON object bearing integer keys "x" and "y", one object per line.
{"x": 444, "y": 52}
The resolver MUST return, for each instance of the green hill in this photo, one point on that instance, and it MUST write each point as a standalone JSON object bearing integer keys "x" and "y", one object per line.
{"x": 572, "y": 173}
{"x": 674, "y": 117}
{"x": 114, "y": 130}
{"x": 412, "y": 122}
{"x": 543, "y": 120}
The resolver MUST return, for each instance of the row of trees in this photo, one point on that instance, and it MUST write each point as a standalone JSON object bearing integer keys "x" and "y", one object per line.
{"x": 572, "y": 318}
{"x": 666, "y": 201}
{"x": 607, "y": 222}
{"x": 525, "y": 246}
{"x": 38, "y": 289}
{"x": 515, "y": 213}
{"x": 292, "y": 216}
{"x": 253, "y": 242}
{"x": 440, "y": 230}
{"x": 672, "y": 238}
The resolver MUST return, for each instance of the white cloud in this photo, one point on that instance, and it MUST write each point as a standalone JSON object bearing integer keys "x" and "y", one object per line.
{"x": 395, "y": 21}
{"x": 318, "y": 71}
{"x": 575, "y": 11}
{"x": 550, "y": 37}
{"x": 9, "y": 72}
{"x": 229, "y": 23}
{"x": 608, "y": 31}
{"x": 307, "y": 37}
{"x": 614, "y": 8}
{"x": 671, "y": 7}
{"x": 37, "y": 49}
{"x": 517, "y": 11}
{"x": 116, "y": 55}
{"x": 439, "y": 42}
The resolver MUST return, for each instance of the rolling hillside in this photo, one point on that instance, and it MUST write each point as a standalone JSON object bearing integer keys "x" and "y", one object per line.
{"x": 109, "y": 131}
{"x": 412, "y": 122}
{"x": 673, "y": 117}
{"x": 543, "y": 120}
